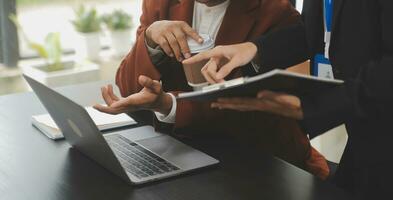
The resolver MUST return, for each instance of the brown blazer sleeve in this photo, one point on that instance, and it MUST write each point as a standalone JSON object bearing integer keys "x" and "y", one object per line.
{"x": 138, "y": 61}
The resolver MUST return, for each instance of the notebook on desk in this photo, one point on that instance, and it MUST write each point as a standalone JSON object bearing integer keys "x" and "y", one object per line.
{"x": 104, "y": 121}
{"x": 276, "y": 80}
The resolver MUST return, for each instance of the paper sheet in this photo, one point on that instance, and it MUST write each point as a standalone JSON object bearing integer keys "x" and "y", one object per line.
{"x": 102, "y": 120}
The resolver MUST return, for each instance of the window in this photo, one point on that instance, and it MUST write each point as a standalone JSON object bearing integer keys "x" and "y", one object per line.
{"x": 40, "y": 17}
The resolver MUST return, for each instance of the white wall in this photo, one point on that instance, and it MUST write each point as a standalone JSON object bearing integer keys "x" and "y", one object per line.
{"x": 332, "y": 143}
{"x": 299, "y": 5}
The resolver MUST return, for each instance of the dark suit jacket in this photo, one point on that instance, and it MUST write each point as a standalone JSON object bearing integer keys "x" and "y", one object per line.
{"x": 244, "y": 20}
{"x": 362, "y": 54}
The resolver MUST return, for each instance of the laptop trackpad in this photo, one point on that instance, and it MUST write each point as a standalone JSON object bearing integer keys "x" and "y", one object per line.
{"x": 140, "y": 133}
{"x": 177, "y": 153}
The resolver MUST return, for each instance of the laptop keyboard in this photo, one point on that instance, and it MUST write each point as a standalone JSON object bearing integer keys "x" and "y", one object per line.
{"x": 137, "y": 160}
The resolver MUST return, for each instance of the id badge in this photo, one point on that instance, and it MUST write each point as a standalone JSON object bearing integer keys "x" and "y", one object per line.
{"x": 322, "y": 67}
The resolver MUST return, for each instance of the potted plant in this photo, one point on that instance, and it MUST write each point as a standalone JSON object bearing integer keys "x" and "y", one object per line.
{"x": 119, "y": 24}
{"x": 52, "y": 68}
{"x": 87, "y": 25}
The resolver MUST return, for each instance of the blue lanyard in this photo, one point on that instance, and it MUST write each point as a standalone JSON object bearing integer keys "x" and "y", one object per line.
{"x": 328, "y": 7}
{"x": 324, "y": 58}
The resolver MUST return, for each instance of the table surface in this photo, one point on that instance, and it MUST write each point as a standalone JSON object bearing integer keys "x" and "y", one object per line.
{"x": 33, "y": 166}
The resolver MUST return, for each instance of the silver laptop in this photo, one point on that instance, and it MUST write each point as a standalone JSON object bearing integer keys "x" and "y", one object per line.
{"x": 137, "y": 155}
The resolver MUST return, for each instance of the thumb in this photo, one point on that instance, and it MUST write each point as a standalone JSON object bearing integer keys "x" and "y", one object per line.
{"x": 227, "y": 69}
{"x": 149, "y": 83}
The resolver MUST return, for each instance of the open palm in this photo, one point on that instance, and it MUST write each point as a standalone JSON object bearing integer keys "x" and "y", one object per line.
{"x": 151, "y": 97}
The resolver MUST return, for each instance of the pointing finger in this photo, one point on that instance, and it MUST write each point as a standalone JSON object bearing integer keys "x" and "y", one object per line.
{"x": 192, "y": 33}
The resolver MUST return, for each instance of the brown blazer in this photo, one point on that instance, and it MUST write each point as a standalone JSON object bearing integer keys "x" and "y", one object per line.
{"x": 244, "y": 20}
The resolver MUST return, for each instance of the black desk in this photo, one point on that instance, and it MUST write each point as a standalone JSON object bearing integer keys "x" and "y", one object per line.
{"x": 35, "y": 167}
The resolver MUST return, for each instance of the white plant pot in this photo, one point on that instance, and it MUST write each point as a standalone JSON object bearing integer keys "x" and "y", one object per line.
{"x": 120, "y": 42}
{"x": 73, "y": 72}
{"x": 88, "y": 46}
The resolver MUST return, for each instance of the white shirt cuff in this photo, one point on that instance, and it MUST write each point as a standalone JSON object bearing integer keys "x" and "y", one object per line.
{"x": 171, "y": 117}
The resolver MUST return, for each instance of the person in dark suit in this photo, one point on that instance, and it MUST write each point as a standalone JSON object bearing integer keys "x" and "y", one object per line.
{"x": 360, "y": 53}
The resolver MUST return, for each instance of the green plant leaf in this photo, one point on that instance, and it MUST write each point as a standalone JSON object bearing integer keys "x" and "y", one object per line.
{"x": 86, "y": 20}
{"x": 118, "y": 20}
{"x": 40, "y": 49}
{"x": 53, "y": 48}
{"x": 51, "y": 51}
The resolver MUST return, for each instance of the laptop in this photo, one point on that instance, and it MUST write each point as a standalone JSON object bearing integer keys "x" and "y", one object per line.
{"x": 138, "y": 155}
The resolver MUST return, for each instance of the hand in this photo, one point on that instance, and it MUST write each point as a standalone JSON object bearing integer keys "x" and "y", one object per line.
{"x": 277, "y": 103}
{"x": 171, "y": 36}
{"x": 151, "y": 97}
{"x": 233, "y": 55}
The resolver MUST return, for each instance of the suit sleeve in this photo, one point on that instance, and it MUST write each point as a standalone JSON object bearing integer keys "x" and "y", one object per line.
{"x": 283, "y": 48}
{"x": 290, "y": 45}
{"x": 139, "y": 61}
{"x": 368, "y": 95}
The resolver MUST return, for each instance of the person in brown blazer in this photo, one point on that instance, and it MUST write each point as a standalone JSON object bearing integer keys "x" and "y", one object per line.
{"x": 161, "y": 46}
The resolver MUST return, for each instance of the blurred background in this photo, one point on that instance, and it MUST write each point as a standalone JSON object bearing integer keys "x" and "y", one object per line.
{"x": 63, "y": 42}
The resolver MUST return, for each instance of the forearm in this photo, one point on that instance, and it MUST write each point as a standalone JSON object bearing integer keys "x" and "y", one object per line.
{"x": 326, "y": 110}
{"x": 139, "y": 61}
{"x": 136, "y": 63}
{"x": 188, "y": 115}
{"x": 368, "y": 96}
{"x": 283, "y": 48}
{"x": 170, "y": 116}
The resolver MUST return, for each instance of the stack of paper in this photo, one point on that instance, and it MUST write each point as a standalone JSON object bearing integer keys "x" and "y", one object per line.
{"x": 103, "y": 121}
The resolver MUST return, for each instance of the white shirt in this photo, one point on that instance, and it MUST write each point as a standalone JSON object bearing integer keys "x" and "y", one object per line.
{"x": 206, "y": 20}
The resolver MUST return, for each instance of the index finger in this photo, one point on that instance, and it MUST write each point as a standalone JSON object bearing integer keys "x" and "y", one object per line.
{"x": 203, "y": 56}
{"x": 182, "y": 40}
{"x": 111, "y": 93}
{"x": 192, "y": 33}
{"x": 107, "y": 98}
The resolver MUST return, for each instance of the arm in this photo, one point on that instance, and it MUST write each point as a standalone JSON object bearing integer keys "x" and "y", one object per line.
{"x": 293, "y": 44}
{"x": 283, "y": 48}
{"x": 138, "y": 61}
{"x": 369, "y": 95}
{"x": 284, "y": 45}
{"x": 160, "y": 43}
{"x": 150, "y": 58}
{"x": 286, "y": 18}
